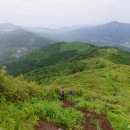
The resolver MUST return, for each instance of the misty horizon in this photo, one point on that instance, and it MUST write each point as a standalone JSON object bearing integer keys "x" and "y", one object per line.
{"x": 60, "y": 27}
{"x": 63, "y": 13}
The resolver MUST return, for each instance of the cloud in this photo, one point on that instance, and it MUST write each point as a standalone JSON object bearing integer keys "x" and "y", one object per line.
{"x": 63, "y": 12}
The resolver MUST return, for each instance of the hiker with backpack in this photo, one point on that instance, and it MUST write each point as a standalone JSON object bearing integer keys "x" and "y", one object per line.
{"x": 62, "y": 93}
{"x": 71, "y": 92}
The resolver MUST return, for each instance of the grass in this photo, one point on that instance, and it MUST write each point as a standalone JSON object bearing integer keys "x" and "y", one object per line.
{"x": 80, "y": 47}
{"x": 24, "y": 103}
{"x": 102, "y": 86}
{"x": 105, "y": 90}
{"x": 46, "y": 56}
{"x": 95, "y": 123}
{"x": 99, "y": 76}
{"x": 25, "y": 116}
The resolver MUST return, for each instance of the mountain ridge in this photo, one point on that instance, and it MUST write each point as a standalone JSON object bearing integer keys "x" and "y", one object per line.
{"x": 19, "y": 41}
{"x": 109, "y": 34}
{"x": 62, "y": 53}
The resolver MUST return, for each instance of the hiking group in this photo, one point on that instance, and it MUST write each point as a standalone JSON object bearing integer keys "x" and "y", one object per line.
{"x": 62, "y": 93}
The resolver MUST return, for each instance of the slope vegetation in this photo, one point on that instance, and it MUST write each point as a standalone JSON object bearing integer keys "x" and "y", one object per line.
{"x": 23, "y": 103}
{"x": 100, "y": 78}
{"x": 46, "y": 56}
{"x": 91, "y": 58}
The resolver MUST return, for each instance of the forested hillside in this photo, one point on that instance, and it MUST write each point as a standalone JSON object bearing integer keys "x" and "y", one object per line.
{"x": 61, "y": 53}
{"x": 46, "y": 56}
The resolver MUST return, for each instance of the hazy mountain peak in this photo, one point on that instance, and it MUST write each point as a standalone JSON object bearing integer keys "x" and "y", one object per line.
{"x": 114, "y": 22}
{"x": 9, "y": 26}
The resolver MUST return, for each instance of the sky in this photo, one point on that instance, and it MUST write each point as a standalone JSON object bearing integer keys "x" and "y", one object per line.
{"x": 58, "y": 13}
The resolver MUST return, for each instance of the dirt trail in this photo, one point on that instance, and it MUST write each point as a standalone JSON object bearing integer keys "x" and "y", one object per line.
{"x": 92, "y": 120}
{"x": 43, "y": 125}
{"x": 67, "y": 104}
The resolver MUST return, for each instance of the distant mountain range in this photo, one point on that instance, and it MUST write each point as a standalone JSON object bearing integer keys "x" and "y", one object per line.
{"x": 113, "y": 33}
{"x": 16, "y": 40}
{"x": 9, "y": 26}
{"x": 110, "y": 34}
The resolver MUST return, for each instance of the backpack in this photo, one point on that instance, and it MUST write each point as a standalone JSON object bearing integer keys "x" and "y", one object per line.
{"x": 60, "y": 91}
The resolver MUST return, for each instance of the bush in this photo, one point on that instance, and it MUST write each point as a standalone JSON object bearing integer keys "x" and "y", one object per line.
{"x": 77, "y": 67}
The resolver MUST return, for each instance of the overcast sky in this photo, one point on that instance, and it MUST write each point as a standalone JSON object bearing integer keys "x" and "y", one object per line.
{"x": 57, "y": 13}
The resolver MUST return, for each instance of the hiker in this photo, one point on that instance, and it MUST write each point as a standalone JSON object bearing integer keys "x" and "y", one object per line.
{"x": 71, "y": 92}
{"x": 62, "y": 94}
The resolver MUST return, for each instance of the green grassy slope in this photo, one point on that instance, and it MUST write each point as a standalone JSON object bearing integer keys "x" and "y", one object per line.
{"x": 101, "y": 79}
{"x": 99, "y": 76}
{"x": 75, "y": 46}
{"x": 63, "y": 53}
{"x": 98, "y": 57}
{"x": 49, "y": 55}
{"x": 104, "y": 89}
{"x": 112, "y": 54}
{"x": 23, "y": 103}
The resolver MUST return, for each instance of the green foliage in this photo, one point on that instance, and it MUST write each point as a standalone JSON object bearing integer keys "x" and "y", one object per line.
{"x": 46, "y": 74}
{"x": 100, "y": 78}
{"x": 77, "y": 67}
{"x": 95, "y": 123}
{"x": 80, "y": 47}
{"x": 24, "y": 103}
{"x": 25, "y": 115}
{"x": 64, "y": 53}
{"x": 104, "y": 90}
{"x": 16, "y": 89}
{"x": 46, "y": 56}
